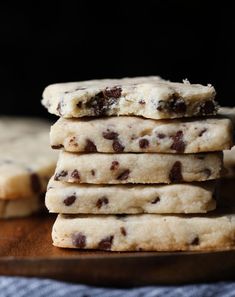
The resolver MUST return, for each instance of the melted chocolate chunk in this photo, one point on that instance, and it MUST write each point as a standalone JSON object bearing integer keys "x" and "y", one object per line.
{"x": 79, "y": 240}
{"x": 110, "y": 135}
{"x": 58, "y": 175}
{"x": 35, "y": 182}
{"x": 102, "y": 101}
{"x": 141, "y": 102}
{"x": 178, "y": 143}
{"x": 124, "y": 175}
{"x": 143, "y": 143}
{"x": 75, "y": 174}
{"x": 114, "y": 165}
{"x": 155, "y": 200}
{"x": 175, "y": 104}
{"x": 161, "y": 135}
{"x": 97, "y": 103}
{"x": 195, "y": 241}
{"x": 57, "y": 147}
{"x": 106, "y": 243}
{"x": 117, "y": 146}
{"x": 102, "y": 201}
{"x": 123, "y": 231}
{"x": 90, "y": 147}
{"x": 175, "y": 174}
{"x": 114, "y": 92}
{"x": 207, "y": 107}
{"x": 69, "y": 200}
{"x": 202, "y": 132}
{"x": 79, "y": 104}
{"x": 93, "y": 172}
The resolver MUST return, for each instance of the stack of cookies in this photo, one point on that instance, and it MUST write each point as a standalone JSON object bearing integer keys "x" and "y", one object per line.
{"x": 138, "y": 167}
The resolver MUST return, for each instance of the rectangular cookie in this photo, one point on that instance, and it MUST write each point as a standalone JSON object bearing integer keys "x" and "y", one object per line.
{"x": 145, "y": 232}
{"x": 135, "y": 134}
{"x": 26, "y": 161}
{"x": 16, "y": 208}
{"x": 117, "y": 199}
{"x": 137, "y": 168}
{"x": 150, "y": 97}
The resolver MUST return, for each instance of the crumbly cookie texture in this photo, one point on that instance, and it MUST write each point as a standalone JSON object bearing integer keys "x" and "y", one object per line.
{"x": 16, "y": 208}
{"x": 26, "y": 161}
{"x": 137, "y": 168}
{"x": 117, "y": 199}
{"x": 145, "y": 232}
{"x": 135, "y": 134}
{"x": 150, "y": 97}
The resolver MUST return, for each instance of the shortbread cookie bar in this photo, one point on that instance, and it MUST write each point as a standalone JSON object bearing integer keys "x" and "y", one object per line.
{"x": 150, "y": 97}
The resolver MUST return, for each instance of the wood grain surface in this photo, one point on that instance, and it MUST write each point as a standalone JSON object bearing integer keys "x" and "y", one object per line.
{"x": 26, "y": 250}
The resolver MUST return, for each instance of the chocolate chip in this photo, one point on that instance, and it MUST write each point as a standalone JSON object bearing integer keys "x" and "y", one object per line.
{"x": 97, "y": 103}
{"x": 178, "y": 144}
{"x": 79, "y": 104}
{"x": 35, "y": 182}
{"x": 117, "y": 146}
{"x": 114, "y": 165}
{"x": 110, "y": 135}
{"x": 63, "y": 173}
{"x": 90, "y": 147}
{"x": 123, "y": 231}
{"x": 202, "y": 132}
{"x": 155, "y": 200}
{"x": 207, "y": 107}
{"x": 75, "y": 174}
{"x": 57, "y": 147}
{"x": 102, "y": 201}
{"x": 161, "y": 135}
{"x": 141, "y": 102}
{"x": 114, "y": 92}
{"x": 124, "y": 175}
{"x": 207, "y": 171}
{"x": 92, "y": 172}
{"x": 195, "y": 241}
{"x": 175, "y": 174}
{"x": 143, "y": 143}
{"x": 79, "y": 240}
{"x": 177, "y": 104}
{"x": 69, "y": 200}
{"x": 101, "y": 102}
{"x": 106, "y": 243}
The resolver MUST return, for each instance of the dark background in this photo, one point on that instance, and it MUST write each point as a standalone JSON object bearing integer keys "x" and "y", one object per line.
{"x": 42, "y": 44}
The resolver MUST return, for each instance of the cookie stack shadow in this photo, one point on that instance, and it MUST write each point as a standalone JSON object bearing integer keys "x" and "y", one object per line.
{"x": 139, "y": 163}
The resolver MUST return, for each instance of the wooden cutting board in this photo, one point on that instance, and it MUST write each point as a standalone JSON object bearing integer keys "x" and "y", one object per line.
{"x": 26, "y": 250}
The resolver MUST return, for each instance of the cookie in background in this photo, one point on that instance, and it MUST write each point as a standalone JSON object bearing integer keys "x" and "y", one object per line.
{"x": 26, "y": 164}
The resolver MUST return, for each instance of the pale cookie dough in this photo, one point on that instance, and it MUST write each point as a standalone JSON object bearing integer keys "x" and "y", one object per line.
{"x": 145, "y": 232}
{"x": 117, "y": 199}
{"x": 26, "y": 161}
{"x": 150, "y": 97}
{"x": 137, "y": 168}
{"x": 16, "y": 208}
{"x": 136, "y": 134}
